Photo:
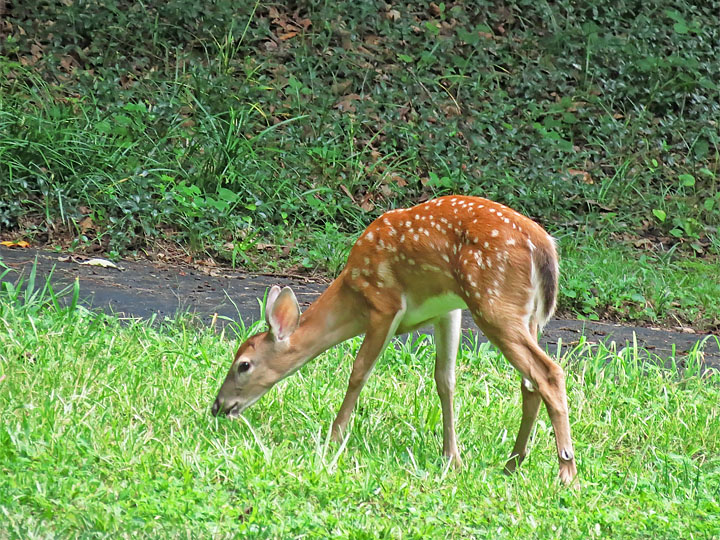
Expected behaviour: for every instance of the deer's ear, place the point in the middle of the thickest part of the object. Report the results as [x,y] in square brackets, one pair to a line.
[271,297]
[283,315]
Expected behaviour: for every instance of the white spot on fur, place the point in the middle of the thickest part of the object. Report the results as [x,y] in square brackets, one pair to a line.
[494,233]
[510,242]
[446,258]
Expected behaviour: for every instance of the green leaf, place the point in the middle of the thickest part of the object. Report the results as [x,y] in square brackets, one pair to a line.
[405,58]
[660,214]
[471,38]
[686,180]
[227,195]
[433,28]
[681,28]
[677,233]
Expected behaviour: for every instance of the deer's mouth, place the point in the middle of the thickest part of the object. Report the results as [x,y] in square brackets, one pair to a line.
[234,411]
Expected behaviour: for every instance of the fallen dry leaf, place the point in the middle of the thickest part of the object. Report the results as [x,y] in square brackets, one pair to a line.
[347,192]
[86,224]
[367,204]
[104,263]
[643,243]
[345,104]
[18,244]
[585,176]
[288,35]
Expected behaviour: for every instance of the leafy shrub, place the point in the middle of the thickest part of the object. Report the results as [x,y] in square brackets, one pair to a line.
[231,120]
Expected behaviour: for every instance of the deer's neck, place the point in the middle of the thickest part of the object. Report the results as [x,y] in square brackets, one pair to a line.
[331,319]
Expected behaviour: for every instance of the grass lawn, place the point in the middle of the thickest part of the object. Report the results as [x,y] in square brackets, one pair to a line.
[106,432]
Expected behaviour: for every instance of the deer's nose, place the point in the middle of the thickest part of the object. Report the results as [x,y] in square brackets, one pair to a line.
[215,407]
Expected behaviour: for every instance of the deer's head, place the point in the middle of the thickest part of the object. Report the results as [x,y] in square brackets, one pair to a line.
[263,359]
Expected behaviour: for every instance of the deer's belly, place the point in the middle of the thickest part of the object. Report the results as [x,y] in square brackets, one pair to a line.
[422,311]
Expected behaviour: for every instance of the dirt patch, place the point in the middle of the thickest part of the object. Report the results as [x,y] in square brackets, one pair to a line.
[142,289]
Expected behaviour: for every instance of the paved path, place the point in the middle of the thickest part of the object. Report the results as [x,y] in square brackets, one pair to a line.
[142,289]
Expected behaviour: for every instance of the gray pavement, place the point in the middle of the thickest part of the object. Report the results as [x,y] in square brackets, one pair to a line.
[143,289]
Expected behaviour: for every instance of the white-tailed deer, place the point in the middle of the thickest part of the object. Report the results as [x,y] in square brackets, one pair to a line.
[419,266]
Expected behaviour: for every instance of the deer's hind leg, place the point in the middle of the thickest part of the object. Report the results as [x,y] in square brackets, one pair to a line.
[513,337]
[530,407]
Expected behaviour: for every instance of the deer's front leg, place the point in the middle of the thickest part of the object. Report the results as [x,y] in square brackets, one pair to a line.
[447,341]
[380,331]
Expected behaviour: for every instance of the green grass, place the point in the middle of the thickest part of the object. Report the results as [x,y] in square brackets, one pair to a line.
[604,279]
[106,432]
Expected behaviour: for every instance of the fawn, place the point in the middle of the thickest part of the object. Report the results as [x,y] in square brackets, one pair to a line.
[417,266]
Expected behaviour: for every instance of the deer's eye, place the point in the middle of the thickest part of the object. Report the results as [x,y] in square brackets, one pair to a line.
[243,367]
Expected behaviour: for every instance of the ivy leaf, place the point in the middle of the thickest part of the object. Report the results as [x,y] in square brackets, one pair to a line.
[686,180]
[660,214]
